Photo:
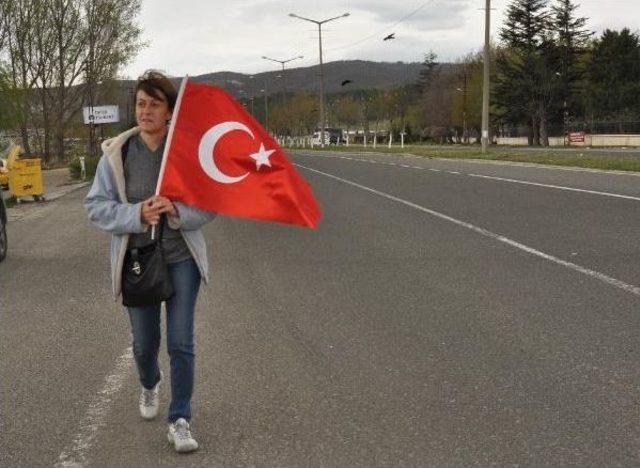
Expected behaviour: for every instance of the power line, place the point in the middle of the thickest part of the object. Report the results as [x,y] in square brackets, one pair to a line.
[386,28]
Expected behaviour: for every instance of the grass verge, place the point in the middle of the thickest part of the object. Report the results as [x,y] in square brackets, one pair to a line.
[617,162]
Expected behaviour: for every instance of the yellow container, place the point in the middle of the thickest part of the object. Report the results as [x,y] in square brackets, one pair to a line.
[25,176]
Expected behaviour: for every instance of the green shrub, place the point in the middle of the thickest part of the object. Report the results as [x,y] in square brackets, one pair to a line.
[91,164]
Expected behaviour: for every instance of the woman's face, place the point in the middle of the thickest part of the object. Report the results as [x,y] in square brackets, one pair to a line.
[151,113]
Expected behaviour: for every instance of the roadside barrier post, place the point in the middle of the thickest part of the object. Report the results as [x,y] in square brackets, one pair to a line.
[83,168]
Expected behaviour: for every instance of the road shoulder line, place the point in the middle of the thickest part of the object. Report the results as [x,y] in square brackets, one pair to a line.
[75,454]
[559,187]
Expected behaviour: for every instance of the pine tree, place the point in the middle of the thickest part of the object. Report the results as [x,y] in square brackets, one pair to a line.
[523,91]
[572,40]
[428,71]
[612,91]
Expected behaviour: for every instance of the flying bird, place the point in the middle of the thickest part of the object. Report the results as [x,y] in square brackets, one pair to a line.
[346,82]
[390,36]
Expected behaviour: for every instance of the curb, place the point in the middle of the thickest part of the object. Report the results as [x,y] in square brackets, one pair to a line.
[64,191]
[52,196]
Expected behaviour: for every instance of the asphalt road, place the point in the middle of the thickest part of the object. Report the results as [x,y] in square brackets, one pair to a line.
[445,313]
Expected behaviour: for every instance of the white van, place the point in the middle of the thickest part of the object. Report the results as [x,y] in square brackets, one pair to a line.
[317,136]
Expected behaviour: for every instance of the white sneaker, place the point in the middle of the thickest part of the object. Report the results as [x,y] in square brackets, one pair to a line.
[180,436]
[150,401]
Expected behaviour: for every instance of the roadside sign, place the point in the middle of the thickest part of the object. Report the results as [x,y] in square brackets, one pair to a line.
[101,114]
[576,137]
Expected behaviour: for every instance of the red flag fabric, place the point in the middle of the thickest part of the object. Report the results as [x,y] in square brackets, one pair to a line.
[219,158]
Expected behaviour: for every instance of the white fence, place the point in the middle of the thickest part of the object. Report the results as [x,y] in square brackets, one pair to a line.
[589,140]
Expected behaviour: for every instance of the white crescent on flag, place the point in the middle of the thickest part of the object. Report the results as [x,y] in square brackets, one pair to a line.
[208,146]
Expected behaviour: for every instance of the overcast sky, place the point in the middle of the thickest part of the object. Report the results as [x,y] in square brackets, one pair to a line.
[202,36]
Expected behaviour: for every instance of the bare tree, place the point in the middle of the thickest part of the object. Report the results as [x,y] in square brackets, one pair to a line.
[57,54]
[113,39]
[93,38]
[19,37]
[437,102]
[295,116]
[4,26]
[347,112]
[4,23]
[43,43]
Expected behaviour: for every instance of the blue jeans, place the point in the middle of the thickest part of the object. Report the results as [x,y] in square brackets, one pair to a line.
[145,328]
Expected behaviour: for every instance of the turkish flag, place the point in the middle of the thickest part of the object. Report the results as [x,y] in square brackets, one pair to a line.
[220,159]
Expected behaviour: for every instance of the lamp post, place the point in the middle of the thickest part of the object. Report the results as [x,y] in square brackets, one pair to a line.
[565,112]
[266,107]
[252,95]
[565,122]
[320,23]
[282,62]
[464,111]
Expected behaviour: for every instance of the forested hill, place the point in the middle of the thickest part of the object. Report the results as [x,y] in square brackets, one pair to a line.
[363,75]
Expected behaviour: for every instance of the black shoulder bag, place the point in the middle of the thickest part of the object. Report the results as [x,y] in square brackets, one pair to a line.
[145,276]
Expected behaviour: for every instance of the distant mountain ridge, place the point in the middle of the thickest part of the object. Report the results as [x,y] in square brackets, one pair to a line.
[363,75]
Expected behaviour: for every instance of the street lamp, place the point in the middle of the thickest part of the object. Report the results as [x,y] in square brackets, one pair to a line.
[565,112]
[464,112]
[282,62]
[266,106]
[320,23]
[252,95]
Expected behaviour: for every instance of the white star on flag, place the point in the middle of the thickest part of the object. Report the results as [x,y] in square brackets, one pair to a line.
[262,156]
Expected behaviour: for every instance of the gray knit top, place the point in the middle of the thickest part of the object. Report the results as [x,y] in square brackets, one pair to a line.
[141,172]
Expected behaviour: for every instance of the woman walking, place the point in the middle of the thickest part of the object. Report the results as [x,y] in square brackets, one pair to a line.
[122,201]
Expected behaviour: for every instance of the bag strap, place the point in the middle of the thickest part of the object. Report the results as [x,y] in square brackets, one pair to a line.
[125,150]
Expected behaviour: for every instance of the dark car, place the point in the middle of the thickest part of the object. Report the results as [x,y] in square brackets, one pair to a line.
[3,228]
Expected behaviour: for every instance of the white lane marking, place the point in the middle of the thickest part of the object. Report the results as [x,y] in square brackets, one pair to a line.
[580,269]
[75,454]
[453,172]
[434,170]
[559,187]
[543,166]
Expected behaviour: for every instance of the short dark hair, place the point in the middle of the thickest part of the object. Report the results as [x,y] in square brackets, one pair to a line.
[158,86]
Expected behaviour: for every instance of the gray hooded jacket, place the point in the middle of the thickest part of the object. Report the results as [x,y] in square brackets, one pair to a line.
[108,209]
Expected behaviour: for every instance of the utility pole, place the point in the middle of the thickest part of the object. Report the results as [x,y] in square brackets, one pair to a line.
[320,23]
[485,81]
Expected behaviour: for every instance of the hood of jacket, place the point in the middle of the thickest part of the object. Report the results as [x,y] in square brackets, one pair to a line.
[112,149]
